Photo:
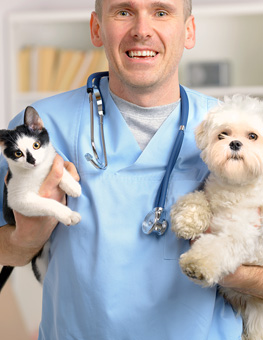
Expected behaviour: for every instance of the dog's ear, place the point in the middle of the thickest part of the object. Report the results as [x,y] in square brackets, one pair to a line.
[201,135]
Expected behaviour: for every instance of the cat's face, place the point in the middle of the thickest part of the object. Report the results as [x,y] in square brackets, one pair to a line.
[27,145]
[23,147]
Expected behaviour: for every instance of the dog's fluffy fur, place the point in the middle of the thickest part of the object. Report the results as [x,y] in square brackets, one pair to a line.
[231,141]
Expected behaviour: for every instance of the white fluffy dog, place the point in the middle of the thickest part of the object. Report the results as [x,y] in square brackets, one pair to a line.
[231,140]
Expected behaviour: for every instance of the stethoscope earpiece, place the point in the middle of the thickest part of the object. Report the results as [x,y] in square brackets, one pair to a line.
[93,84]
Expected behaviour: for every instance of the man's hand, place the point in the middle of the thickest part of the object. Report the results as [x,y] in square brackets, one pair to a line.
[246,280]
[31,233]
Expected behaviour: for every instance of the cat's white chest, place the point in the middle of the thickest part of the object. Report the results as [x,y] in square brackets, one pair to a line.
[25,182]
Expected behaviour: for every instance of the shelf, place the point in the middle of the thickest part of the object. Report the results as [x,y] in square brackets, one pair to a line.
[228,9]
[220,92]
[46,16]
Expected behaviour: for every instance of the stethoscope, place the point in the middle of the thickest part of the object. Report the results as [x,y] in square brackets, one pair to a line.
[155,221]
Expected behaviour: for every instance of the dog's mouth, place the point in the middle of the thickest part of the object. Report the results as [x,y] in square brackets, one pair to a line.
[236,157]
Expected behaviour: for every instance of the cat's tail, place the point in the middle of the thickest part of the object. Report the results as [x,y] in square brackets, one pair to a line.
[4,275]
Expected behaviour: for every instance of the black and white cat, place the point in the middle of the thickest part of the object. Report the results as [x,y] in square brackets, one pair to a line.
[30,156]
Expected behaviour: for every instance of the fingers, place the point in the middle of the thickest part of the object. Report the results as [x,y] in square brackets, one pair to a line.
[72,170]
[49,187]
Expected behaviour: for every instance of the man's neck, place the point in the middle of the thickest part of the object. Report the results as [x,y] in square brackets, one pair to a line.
[147,97]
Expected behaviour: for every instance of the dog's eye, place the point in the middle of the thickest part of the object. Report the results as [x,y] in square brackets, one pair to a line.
[222,135]
[252,136]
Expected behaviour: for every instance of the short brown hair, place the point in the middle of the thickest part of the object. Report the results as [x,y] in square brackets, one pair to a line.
[187,8]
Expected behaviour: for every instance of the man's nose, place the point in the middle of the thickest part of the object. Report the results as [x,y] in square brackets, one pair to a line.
[142,28]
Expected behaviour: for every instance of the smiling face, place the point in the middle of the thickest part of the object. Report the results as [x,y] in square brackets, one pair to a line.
[144,42]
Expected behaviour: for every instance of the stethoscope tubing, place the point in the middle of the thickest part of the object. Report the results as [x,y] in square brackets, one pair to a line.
[162,191]
[155,221]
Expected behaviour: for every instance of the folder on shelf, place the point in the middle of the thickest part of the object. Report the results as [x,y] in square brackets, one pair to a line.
[24,69]
[94,61]
[62,65]
[45,69]
[74,60]
[46,62]
[33,73]
[79,78]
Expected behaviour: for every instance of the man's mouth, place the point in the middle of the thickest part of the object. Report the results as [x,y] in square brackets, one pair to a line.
[141,54]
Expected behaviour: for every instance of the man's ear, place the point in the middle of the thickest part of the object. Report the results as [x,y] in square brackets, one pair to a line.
[95,30]
[190,32]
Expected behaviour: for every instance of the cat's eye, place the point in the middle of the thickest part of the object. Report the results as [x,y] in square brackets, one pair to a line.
[18,154]
[222,135]
[36,145]
[252,136]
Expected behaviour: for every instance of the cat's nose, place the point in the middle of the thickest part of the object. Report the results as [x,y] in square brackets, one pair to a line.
[235,145]
[30,159]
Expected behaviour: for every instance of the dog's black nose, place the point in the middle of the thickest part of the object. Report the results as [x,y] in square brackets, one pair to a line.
[235,145]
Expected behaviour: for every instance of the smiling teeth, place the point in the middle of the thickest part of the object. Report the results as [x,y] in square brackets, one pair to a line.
[133,54]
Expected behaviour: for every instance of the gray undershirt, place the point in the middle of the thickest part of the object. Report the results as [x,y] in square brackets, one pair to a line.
[143,121]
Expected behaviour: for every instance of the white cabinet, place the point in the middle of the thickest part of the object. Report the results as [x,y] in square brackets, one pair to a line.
[226,33]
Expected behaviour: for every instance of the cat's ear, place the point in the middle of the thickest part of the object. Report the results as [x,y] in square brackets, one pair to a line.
[3,137]
[32,119]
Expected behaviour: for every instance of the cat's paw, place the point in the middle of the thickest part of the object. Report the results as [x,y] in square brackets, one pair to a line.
[68,217]
[75,218]
[71,188]
[74,190]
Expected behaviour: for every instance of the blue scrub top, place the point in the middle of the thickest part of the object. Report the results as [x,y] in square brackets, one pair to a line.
[106,280]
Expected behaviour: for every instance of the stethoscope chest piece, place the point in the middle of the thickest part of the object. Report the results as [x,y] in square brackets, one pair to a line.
[155,222]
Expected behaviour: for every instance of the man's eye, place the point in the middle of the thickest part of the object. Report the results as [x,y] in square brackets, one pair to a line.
[161,14]
[123,13]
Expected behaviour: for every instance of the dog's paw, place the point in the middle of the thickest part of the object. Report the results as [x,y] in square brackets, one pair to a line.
[191,215]
[200,270]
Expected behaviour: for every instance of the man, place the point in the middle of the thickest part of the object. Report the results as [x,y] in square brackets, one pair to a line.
[106,280]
